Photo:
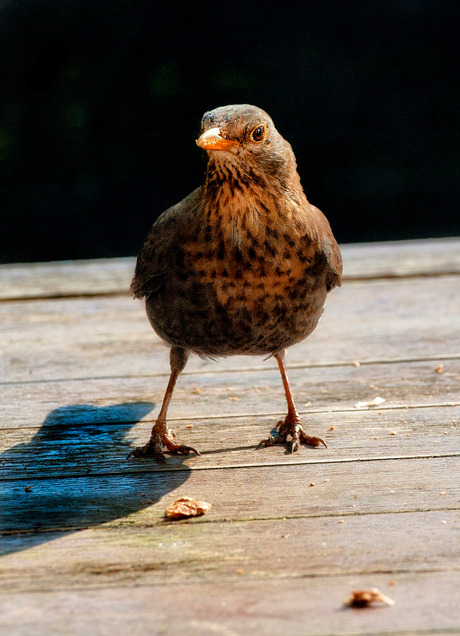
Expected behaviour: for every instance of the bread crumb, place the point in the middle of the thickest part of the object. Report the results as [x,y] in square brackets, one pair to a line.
[356,363]
[187,507]
[197,390]
[375,402]
[363,598]
[439,368]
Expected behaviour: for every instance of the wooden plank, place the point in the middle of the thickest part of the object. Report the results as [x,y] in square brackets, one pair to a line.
[89,445]
[244,494]
[110,276]
[365,321]
[268,548]
[83,378]
[66,278]
[425,603]
[426,257]
[230,394]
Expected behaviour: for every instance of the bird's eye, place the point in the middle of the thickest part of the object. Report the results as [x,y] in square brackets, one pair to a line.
[258,134]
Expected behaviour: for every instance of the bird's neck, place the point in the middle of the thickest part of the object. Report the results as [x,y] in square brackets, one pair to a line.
[242,202]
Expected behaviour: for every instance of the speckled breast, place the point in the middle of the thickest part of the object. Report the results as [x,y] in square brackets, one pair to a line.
[225,296]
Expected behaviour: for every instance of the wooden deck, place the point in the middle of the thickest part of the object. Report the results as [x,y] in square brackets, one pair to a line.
[85,545]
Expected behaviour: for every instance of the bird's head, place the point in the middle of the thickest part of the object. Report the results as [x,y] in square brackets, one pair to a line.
[245,136]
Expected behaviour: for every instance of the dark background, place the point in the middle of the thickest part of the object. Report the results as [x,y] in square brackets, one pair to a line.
[101,102]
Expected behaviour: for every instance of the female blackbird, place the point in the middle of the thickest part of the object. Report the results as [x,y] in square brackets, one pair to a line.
[241,266]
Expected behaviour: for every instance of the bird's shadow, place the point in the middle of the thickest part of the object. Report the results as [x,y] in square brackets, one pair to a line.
[73,474]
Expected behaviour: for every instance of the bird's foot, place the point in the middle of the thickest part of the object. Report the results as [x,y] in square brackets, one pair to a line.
[156,444]
[291,433]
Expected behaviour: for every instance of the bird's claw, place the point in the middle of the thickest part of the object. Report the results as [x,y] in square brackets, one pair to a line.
[290,432]
[181,449]
[312,440]
[269,441]
[151,449]
[154,448]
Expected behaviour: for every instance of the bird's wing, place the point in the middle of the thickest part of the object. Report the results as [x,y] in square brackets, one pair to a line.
[328,245]
[156,252]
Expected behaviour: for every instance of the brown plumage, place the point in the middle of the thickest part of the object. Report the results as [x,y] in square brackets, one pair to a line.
[240,266]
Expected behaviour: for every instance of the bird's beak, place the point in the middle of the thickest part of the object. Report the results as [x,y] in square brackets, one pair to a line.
[212,139]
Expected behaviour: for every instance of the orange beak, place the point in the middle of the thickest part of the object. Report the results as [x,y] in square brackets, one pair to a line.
[212,140]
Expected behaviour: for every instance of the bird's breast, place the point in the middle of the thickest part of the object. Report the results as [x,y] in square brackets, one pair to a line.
[242,279]
[254,271]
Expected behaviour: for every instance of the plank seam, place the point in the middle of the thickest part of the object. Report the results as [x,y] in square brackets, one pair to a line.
[249,369]
[226,416]
[163,522]
[188,469]
[117,291]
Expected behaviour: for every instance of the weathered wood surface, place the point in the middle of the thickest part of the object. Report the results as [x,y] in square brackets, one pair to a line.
[294,606]
[80,449]
[158,553]
[406,319]
[111,276]
[85,544]
[340,489]
[233,394]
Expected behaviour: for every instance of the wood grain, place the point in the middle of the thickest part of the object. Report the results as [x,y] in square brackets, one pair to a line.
[112,276]
[77,338]
[85,546]
[286,490]
[96,447]
[230,394]
[267,548]
[298,606]
[432,257]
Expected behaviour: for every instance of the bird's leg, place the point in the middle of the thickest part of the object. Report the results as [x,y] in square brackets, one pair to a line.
[161,436]
[290,430]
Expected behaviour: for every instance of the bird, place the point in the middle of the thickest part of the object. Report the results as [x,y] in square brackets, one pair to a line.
[241,266]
